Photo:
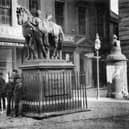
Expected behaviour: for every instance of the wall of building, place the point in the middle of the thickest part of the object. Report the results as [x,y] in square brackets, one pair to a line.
[71,17]
[124,28]
[10,39]
[6,61]
[13,31]
[92,23]
[47,6]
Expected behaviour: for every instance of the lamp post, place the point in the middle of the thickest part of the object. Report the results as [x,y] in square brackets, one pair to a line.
[97,47]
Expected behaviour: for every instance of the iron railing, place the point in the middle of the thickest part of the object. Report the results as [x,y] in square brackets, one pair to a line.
[54,91]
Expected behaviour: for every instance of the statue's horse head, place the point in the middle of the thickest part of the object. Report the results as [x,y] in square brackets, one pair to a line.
[23,15]
[24,18]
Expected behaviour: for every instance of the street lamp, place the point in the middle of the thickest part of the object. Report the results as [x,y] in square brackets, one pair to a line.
[97,47]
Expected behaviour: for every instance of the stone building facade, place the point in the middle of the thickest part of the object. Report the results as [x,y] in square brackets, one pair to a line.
[11,39]
[80,20]
[124,28]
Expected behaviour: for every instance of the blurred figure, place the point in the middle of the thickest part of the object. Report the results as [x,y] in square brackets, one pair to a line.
[2,92]
[15,75]
[18,95]
[10,90]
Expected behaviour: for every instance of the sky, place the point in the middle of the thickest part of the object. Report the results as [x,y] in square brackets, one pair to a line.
[114,6]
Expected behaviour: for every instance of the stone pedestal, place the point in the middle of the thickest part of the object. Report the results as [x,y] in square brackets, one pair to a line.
[45,81]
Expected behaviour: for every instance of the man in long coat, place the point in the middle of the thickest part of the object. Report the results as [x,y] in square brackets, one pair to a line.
[18,95]
[10,91]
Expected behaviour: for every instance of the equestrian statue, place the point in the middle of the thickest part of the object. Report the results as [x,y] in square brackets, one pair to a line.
[43,38]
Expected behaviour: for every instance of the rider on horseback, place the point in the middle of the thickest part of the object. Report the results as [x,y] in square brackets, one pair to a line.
[37,21]
[42,36]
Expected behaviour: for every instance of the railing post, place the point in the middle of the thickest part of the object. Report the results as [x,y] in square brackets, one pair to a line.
[41,92]
[98,94]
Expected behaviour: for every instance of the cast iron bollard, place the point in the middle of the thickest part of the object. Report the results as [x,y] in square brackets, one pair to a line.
[117,72]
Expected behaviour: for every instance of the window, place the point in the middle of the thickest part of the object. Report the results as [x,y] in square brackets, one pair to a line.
[59,13]
[33,6]
[5,12]
[82,20]
[100,22]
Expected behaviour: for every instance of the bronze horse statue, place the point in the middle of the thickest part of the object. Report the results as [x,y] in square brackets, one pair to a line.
[38,42]
[33,37]
[55,37]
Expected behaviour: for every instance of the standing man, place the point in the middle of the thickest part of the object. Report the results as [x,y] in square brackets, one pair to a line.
[10,90]
[18,95]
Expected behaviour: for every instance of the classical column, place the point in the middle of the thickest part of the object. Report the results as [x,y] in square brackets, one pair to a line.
[14,6]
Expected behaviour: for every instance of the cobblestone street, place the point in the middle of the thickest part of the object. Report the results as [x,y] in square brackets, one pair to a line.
[64,122]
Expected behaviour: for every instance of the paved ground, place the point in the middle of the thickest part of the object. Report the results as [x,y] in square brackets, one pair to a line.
[63,122]
[103,114]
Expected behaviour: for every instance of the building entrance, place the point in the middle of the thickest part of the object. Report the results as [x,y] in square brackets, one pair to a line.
[6,62]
